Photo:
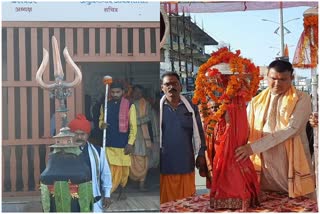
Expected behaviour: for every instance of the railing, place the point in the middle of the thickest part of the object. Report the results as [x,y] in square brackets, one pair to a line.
[22,166]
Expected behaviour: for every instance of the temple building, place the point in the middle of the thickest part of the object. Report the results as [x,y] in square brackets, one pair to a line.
[101,39]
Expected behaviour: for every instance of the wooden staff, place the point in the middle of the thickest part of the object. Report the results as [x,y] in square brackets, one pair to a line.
[107,80]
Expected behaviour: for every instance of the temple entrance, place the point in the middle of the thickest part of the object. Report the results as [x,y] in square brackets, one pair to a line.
[145,74]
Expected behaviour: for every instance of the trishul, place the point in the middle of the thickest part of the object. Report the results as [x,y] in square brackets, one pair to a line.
[60,89]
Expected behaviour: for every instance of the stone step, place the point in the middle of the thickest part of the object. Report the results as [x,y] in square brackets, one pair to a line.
[136,204]
[133,203]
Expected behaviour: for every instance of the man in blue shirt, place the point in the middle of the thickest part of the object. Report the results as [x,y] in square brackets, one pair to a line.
[181,138]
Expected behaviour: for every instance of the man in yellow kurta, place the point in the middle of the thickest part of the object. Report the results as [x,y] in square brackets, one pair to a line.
[143,146]
[121,134]
[278,141]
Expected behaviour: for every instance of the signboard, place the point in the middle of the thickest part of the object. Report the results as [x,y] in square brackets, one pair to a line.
[190,83]
[127,11]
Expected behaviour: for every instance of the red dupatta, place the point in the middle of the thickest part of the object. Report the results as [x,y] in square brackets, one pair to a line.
[234,185]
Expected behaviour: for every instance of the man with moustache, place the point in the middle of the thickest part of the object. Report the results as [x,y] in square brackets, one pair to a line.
[278,143]
[181,138]
[121,134]
[95,158]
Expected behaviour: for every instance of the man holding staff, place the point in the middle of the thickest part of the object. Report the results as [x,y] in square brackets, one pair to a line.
[121,125]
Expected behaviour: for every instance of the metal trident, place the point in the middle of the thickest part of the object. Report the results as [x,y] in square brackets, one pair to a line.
[60,89]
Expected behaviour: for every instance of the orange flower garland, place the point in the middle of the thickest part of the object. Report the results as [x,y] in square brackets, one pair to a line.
[210,81]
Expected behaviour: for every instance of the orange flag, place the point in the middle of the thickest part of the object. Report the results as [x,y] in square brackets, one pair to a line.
[286,51]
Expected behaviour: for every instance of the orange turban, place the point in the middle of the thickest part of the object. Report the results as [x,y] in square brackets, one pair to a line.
[80,123]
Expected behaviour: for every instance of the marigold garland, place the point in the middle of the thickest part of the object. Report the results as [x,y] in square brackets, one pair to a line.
[210,81]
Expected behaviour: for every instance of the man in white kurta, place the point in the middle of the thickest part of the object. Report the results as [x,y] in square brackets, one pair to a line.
[278,140]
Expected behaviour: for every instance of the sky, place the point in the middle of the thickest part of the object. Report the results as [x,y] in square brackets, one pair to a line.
[253,37]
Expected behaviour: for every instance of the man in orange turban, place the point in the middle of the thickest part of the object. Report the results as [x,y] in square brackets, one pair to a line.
[95,157]
[80,123]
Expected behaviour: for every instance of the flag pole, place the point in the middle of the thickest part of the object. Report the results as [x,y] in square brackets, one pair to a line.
[281,30]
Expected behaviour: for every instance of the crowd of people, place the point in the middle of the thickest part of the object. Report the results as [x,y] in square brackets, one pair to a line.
[131,147]
[273,155]
[270,154]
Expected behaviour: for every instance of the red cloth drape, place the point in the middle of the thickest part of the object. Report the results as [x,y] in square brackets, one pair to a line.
[233,183]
